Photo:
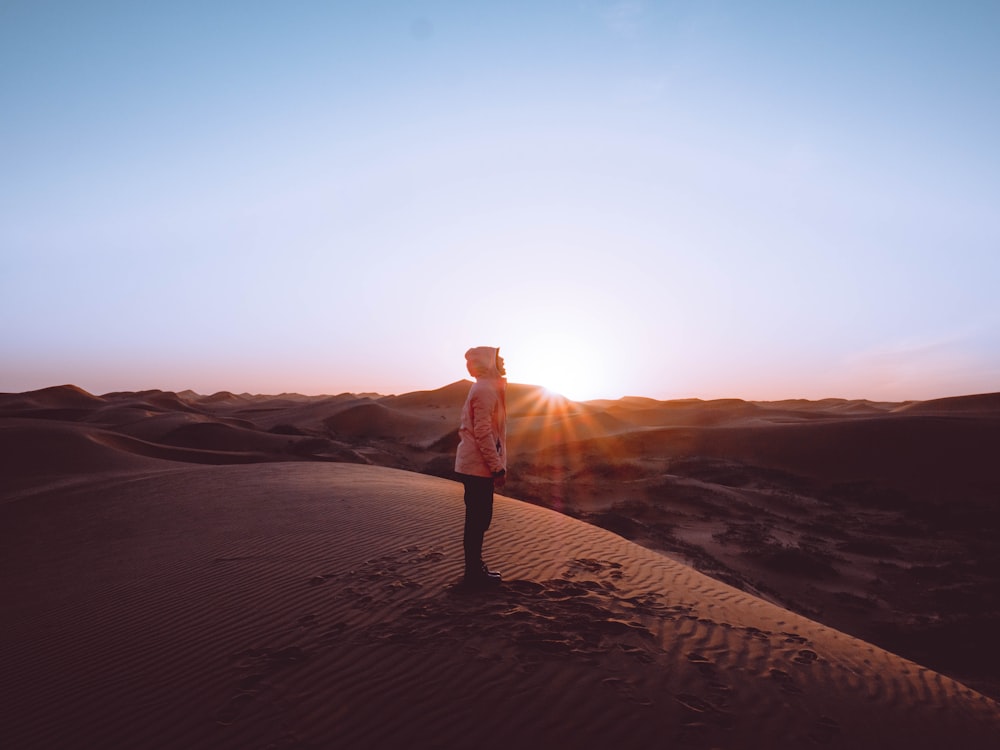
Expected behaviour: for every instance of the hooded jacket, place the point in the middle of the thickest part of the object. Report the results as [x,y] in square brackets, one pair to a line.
[482,446]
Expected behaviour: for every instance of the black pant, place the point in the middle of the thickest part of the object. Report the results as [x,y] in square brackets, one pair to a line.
[478,515]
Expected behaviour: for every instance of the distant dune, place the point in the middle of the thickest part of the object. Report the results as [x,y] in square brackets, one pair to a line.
[986,403]
[238,571]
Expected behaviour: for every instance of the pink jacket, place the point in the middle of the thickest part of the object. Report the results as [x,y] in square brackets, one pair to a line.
[482,447]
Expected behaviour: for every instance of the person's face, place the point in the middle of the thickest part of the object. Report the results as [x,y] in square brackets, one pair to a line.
[500,367]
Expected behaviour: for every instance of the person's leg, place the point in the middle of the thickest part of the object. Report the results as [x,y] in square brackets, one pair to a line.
[478,516]
[478,497]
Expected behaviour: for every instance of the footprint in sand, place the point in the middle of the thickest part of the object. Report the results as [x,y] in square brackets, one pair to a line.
[524,587]
[636,653]
[794,638]
[760,635]
[711,713]
[825,731]
[704,664]
[785,682]
[693,703]
[589,565]
[232,710]
[805,656]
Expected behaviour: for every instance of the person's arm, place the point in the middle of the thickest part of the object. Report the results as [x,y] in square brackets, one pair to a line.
[483,404]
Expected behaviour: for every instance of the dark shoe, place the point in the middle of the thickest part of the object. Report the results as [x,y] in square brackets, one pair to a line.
[491,573]
[481,579]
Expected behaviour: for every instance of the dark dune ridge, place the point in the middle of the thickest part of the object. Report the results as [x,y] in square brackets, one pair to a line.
[877,519]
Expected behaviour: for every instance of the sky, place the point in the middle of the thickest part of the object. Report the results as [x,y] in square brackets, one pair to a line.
[708,199]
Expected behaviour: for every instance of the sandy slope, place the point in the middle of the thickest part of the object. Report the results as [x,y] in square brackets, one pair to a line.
[312,605]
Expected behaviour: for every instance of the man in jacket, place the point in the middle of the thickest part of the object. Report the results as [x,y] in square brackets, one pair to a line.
[481,459]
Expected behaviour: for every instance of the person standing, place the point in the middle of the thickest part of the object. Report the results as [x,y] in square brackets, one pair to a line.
[481,458]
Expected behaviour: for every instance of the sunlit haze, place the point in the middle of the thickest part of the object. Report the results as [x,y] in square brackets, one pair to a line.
[666,199]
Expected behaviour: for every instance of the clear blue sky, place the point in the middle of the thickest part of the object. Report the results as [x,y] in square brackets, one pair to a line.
[669,199]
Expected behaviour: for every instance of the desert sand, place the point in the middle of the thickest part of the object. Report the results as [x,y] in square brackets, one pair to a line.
[235,571]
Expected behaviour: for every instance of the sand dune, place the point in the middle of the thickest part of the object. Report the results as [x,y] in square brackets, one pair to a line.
[978,405]
[33,452]
[374,420]
[905,451]
[313,605]
[246,571]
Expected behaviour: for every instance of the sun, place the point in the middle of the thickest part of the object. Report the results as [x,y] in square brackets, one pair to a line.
[563,371]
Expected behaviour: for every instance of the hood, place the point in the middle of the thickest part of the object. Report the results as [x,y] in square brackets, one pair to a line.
[482,361]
